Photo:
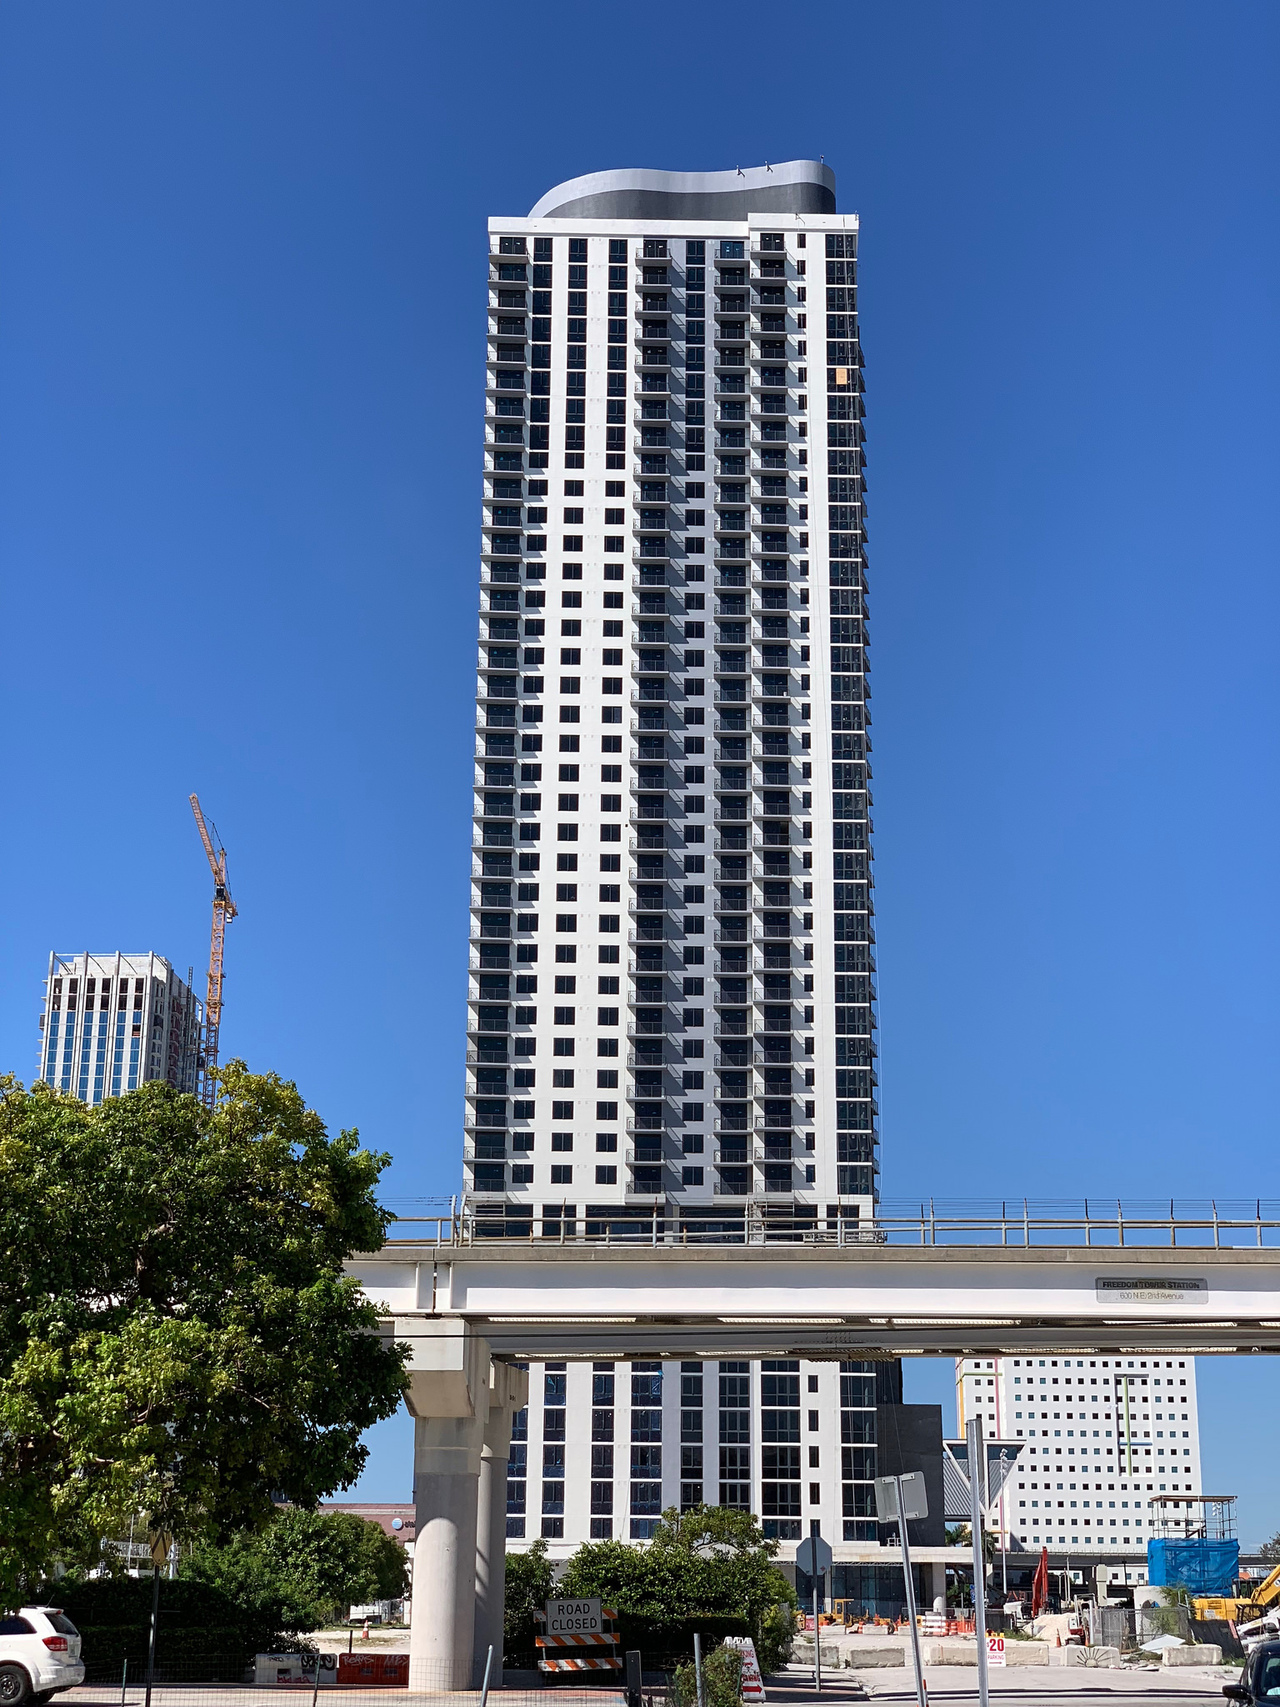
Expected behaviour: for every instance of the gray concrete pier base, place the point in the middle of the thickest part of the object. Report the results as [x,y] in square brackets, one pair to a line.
[508,1393]
[447,1475]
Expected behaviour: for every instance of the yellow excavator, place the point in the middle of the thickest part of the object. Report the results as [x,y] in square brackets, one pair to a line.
[1264,1600]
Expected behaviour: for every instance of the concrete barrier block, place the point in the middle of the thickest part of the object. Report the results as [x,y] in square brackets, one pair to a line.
[802,1654]
[957,1652]
[1199,1654]
[963,1651]
[860,1655]
[1077,1656]
[1026,1654]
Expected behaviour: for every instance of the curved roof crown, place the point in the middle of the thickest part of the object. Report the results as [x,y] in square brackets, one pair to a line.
[792,186]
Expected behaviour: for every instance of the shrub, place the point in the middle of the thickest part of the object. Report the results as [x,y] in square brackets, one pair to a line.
[666,1642]
[721,1680]
[703,1565]
[202,1634]
[528,1588]
[777,1632]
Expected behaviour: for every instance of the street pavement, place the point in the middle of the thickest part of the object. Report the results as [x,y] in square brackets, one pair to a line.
[1045,1686]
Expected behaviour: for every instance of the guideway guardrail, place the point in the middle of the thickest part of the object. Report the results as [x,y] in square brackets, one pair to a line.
[1217,1224]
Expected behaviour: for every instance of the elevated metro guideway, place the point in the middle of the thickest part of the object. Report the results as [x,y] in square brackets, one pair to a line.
[1199,1284]
[471,1309]
[532,1301]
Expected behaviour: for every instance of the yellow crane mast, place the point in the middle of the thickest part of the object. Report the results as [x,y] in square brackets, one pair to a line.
[224,910]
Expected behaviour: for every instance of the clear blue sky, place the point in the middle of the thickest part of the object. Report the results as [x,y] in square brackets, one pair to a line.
[241,337]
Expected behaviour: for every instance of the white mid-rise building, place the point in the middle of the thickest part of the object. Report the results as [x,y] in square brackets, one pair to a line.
[672,999]
[113,1021]
[1099,1437]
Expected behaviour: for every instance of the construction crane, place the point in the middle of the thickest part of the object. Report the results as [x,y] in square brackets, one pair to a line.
[224,910]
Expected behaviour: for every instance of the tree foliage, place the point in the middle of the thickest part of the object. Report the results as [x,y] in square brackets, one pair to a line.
[710,1560]
[528,1589]
[177,1335]
[303,1569]
[961,1535]
[1270,1550]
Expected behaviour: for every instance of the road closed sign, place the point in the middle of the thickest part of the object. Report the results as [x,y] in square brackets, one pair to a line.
[995,1651]
[575,1618]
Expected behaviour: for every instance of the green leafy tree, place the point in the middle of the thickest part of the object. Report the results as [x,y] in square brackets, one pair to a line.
[304,1569]
[1270,1550]
[961,1535]
[177,1335]
[528,1589]
[708,1561]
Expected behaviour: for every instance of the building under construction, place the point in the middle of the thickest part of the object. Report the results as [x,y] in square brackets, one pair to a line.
[113,1021]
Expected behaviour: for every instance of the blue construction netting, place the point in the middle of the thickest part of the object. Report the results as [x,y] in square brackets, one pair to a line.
[1204,1567]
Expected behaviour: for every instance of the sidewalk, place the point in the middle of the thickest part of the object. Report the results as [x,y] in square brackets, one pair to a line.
[1041,1681]
[245,1695]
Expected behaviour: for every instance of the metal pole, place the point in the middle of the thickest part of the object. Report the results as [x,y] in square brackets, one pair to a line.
[634,1676]
[911,1599]
[977,1487]
[697,1669]
[151,1640]
[124,1680]
[484,1687]
[817,1637]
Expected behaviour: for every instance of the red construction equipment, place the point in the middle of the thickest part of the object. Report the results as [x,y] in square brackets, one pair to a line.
[224,909]
[1040,1584]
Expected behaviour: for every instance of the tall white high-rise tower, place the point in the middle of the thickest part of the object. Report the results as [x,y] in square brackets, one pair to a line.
[672,1020]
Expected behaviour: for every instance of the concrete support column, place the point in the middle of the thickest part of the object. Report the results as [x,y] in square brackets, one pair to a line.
[508,1393]
[446,1485]
[939,1584]
[491,1565]
[448,1394]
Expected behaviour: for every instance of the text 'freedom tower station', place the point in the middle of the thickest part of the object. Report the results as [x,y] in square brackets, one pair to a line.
[672,1022]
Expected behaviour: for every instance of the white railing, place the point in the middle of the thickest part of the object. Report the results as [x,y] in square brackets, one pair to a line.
[1207,1223]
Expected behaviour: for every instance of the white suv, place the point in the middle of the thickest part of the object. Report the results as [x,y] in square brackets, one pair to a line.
[39,1655]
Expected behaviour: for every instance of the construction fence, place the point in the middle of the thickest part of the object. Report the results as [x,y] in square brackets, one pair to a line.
[596,1673]
[319,1681]
[1128,1628]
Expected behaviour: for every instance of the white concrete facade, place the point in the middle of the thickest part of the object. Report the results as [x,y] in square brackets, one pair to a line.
[111,1022]
[1102,1435]
[672,962]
